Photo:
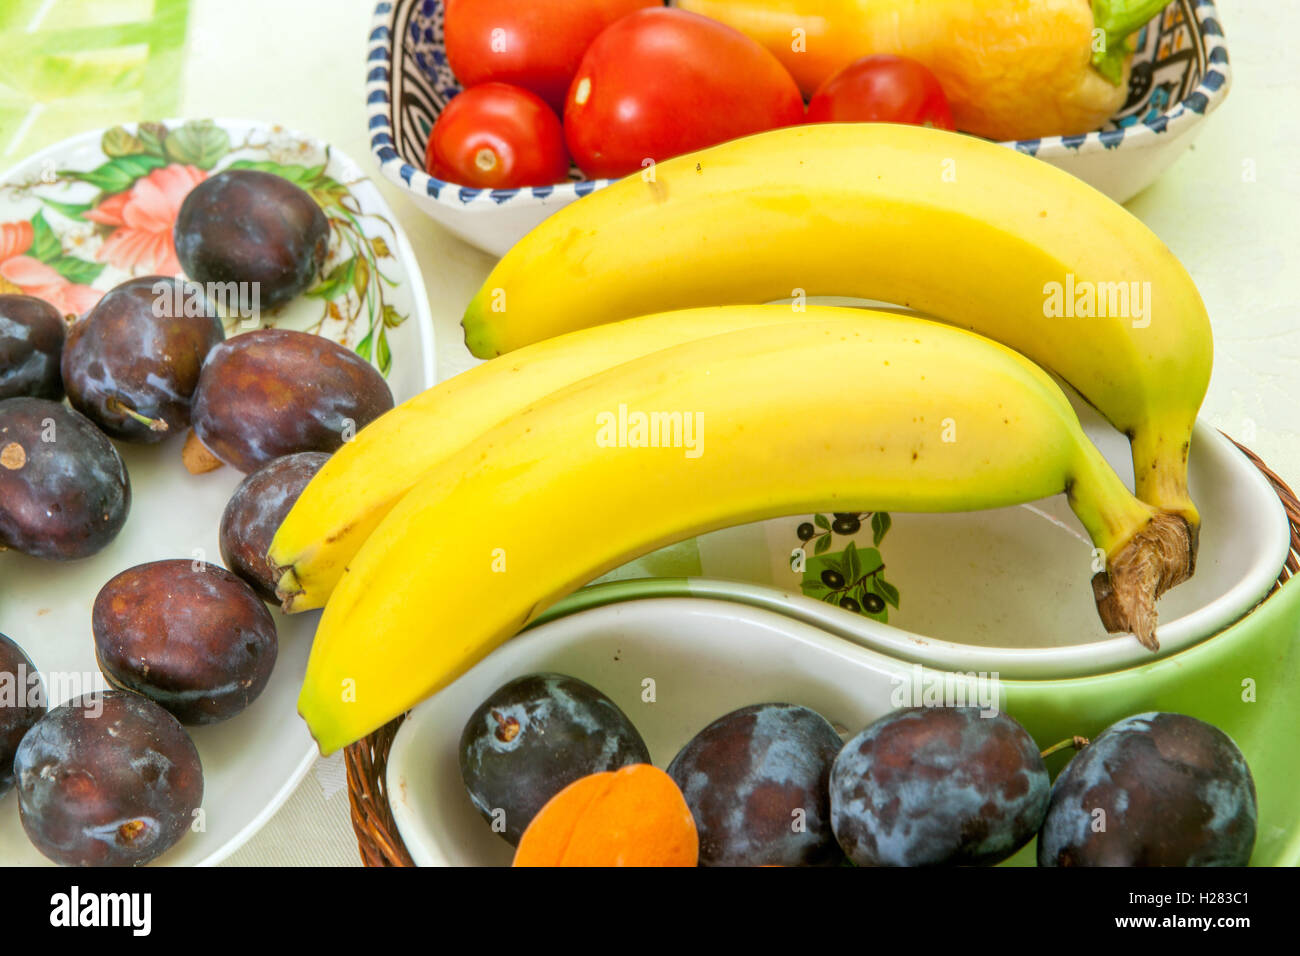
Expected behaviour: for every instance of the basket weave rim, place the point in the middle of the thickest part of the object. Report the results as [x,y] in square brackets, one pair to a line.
[380,843]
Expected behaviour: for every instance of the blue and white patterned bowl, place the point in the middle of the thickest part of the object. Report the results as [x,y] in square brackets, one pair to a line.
[1180,74]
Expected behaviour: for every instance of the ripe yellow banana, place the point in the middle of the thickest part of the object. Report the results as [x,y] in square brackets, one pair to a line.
[365,478]
[970,232]
[931,418]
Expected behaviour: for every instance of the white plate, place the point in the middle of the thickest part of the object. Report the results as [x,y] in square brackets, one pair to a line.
[706,658]
[252,762]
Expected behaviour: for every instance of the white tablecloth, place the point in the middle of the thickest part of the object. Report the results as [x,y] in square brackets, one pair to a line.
[1230,209]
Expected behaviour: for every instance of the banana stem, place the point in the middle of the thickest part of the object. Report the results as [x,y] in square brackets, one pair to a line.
[1161,476]
[1147,551]
[1157,558]
[1119,19]
[1111,515]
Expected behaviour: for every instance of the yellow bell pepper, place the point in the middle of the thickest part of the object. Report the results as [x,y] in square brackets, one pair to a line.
[1012,69]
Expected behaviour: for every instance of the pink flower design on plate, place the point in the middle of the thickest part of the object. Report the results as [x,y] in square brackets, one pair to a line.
[15,239]
[33,277]
[143,216]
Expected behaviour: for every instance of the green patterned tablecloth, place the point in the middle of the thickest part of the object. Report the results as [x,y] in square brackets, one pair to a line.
[71,65]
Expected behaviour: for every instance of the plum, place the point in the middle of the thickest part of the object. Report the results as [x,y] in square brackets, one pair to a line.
[107,779]
[934,786]
[22,703]
[64,490]
[532,738]
[756,781]
[274,392]
[1156,789]
[32,334]
[131,365]
[190,636]
[255,512]
[245,225]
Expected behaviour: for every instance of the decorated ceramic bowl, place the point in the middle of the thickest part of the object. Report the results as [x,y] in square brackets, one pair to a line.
[1180,75]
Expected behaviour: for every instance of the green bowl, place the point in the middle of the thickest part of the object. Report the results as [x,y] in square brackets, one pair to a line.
[1242,680]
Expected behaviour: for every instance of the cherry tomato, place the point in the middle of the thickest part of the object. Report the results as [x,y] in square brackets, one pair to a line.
[497,136]
[882,89]
[662,82]
[536,44]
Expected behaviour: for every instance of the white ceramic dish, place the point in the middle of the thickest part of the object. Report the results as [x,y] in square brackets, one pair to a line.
[1006,590]
[1180,75]
[252,762]
[705,657]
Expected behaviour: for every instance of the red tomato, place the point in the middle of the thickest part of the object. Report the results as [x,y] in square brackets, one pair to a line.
[663,82]
[882,89]
[536,44]
[497,136]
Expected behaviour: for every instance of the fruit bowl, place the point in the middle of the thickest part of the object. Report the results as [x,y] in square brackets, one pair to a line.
[1180,74]
[88,213]
[707,658]
[962,582]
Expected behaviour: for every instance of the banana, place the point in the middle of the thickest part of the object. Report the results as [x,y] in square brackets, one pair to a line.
[966,231]
[931,418]
[365,478]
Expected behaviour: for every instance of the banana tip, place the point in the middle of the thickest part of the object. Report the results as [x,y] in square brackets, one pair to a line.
[288,590]
[479,330]
[326,741]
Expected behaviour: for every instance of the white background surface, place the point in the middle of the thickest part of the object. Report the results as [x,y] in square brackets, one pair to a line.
[1230,210]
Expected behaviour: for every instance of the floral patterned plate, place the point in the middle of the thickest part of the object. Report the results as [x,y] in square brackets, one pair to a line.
[88,213]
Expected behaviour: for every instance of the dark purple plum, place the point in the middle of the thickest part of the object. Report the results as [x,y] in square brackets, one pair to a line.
[245,225]
[255,512]
[756,781]
[132,364]
[108,779]
[532,738]
[32,334]
[938,786]
[22,703]
[64,491]
[1152,790]
[190,636]
[273,392]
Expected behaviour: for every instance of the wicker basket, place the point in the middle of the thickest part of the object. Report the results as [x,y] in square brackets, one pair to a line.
[367,760]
